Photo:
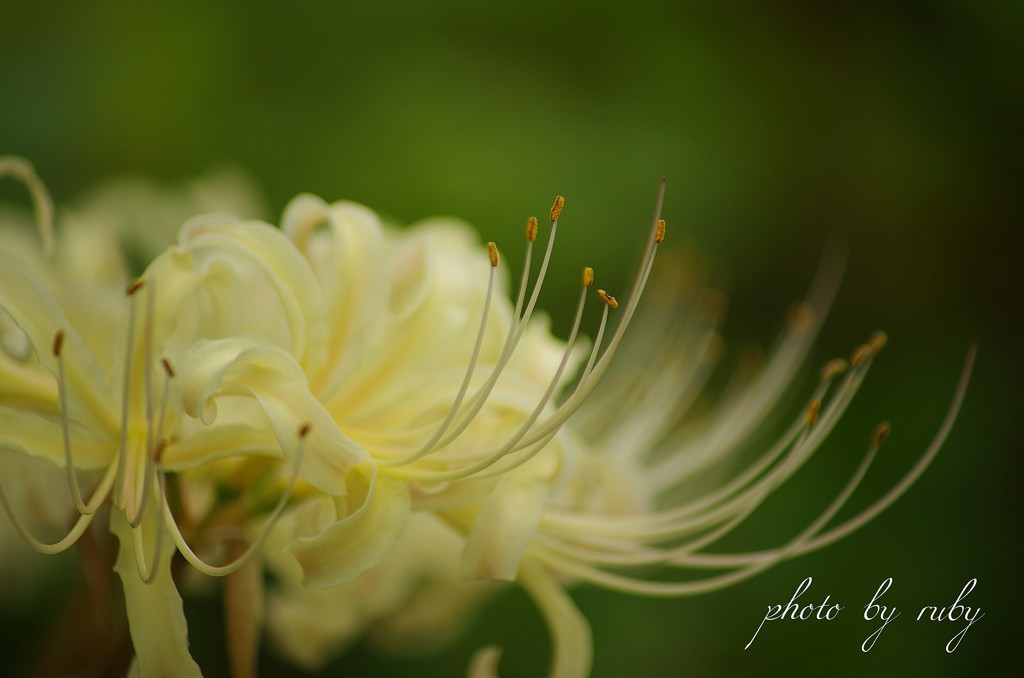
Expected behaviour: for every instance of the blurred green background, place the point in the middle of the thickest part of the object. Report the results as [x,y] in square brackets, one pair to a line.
[893,127]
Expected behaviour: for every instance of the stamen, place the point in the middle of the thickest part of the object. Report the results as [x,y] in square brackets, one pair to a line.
[515,333]
[84,508]
[860,354]
[147,571]
[557,207]
[588,276]
[122,452]
[812,413]
[492,253]
[877,341]
[531,229]
[42,203]
[834,368]
[255,546]
[608,299]
[880,434]
[491,456]
[430,444]
[659,234]
[77,530]
[800,318]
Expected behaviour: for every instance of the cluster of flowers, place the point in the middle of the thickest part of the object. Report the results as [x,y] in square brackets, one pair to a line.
[365,413]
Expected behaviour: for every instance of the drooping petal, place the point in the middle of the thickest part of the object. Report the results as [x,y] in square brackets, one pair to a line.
[286,270]
[38,436]
[572,645]
[507,523]
[345,260]
[37,314]
[155,615]
[375,514]
[248,366]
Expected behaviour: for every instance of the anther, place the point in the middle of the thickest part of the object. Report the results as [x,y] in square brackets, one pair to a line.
[659,233]
[588,276]
[135,286]
[304,430]
[880,434]
[58,343]
[860,354]
[813,410]
[833,368]
[492,252]
[167,367]
[531,229]
[158,453]
[800,318]
[877,341]
[556,209]
[608,299]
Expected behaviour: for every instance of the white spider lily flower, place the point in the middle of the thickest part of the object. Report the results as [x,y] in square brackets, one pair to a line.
[319,384]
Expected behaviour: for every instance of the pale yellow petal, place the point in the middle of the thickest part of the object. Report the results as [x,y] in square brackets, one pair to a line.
[155,616]
[38,436]
[36,313]
[572,645]
[504,529]
[286,270]
[247,366]
[346,260]
[358,540]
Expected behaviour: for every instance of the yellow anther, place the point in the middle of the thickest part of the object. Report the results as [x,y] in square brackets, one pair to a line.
[556,209]
[492,252]
[608,299]
[880,434]
[800,318]
[135,286]
[813,410]
[58,342]
[833,368]
[531,229]
[588,276]
[877,341]
[659,233]
[860,354]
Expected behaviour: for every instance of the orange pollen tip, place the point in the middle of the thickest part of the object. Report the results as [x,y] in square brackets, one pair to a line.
[58,343]
[659,233]
[135,286]
[531,229]
[833,368]
[800,318]
[304,430]
[813,410]
[588,276]
[880,434]
[492,252]
[877,341]
[556,209]
[860,354]
[608,299]
[167,367]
